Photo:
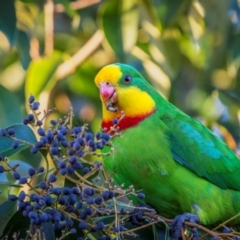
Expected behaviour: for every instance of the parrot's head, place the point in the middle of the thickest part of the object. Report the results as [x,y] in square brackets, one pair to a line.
[124,90]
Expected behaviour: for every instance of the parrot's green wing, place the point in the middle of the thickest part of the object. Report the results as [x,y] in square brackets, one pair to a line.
[197,148]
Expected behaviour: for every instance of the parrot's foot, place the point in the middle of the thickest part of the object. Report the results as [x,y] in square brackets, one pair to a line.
[178,225]
[136,217]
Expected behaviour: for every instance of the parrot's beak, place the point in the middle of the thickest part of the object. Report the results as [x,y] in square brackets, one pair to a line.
[109,96]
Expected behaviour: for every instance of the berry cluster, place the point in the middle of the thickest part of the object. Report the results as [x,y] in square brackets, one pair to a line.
[84,202]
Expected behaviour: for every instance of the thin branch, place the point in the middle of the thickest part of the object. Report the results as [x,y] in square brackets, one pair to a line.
[59,8]
[49,26]
[71,64]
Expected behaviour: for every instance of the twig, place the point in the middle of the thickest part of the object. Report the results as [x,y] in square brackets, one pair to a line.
[71,64]
[76,5]
[49,26]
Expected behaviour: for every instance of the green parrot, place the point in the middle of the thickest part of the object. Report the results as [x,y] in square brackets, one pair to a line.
[180,165]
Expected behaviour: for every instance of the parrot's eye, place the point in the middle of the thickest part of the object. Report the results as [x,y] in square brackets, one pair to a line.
[127,79]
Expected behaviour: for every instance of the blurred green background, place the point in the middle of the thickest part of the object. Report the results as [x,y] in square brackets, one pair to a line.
[189,50]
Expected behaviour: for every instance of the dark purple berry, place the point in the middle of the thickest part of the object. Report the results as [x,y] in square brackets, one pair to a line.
[80,141]
[39,145]
[50,135]
[82,225]
[73,230]
[54,143]
[115,121]
[87,191]
[75,190]
[16,175]
[35,106]
[54,150]
[56,191]
[66,191]
[34,197]
[33,149]
[43,140]
[70,170]
[57,226]
[52,178]
[105,194]
[98,200]
[25,121]
[64,144]
[43,217]
[23,180]
[80,153]
[72,199]
[39,123]
[62,201]
[98,164]
[62,164]
[86,170]
[69,223]
[31,171]
[31,99]
[72,160]
[11,131]
[141,195]
[88,136]
[30,117]
[90,200]
[43,185]
[53,122]
[79,205]
[12,197]
[3,132]
[76,146]
[105,136]
[64,130]
[98,135]
[41,169]
[60,136]
[15,144]
[99,145]
[100,226]
[32,215]
[1,169]
[41,131]
[77,165]
[63,171]
[111,194]
[70,152]
[21,196]
[116,229]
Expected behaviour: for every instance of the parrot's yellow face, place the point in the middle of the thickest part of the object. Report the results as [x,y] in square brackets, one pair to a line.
[119,92]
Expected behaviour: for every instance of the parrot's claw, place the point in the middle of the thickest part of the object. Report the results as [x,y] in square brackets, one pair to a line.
[178,224]
[136,217]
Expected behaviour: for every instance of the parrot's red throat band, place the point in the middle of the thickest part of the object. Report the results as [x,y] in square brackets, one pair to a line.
[126,122]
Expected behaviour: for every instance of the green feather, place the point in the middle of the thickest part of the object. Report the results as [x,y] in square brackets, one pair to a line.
[178,162]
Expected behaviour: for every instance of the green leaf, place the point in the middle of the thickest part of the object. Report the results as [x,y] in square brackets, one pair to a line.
[23,46]
[119,20]
[8,19]
[18,223]
[40,74]
[22,132]
[169,12]
[9,108]
[47,229]
[7,209]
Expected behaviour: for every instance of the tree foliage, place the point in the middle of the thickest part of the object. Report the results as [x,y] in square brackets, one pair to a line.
[188,50]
